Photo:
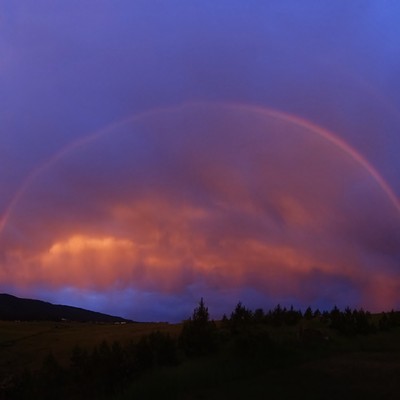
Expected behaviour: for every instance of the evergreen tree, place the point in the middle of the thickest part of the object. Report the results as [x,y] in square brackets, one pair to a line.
[308,314]
[198,335]
[317,313]
[240,318]
[259,315]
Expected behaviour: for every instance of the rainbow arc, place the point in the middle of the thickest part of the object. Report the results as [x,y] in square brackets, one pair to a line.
[259,110]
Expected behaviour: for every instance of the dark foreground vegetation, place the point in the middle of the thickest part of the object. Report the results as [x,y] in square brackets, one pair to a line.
[279,354]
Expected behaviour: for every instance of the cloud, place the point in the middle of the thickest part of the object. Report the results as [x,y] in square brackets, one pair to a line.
[210,194]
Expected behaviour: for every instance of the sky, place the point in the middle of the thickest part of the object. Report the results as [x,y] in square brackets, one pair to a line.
[156,152]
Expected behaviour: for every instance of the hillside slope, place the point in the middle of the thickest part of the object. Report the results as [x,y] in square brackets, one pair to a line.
[15,308]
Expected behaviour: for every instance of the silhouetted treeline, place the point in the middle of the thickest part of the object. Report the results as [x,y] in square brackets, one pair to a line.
[348,322]
[279,316]
[389,320]
[270,336]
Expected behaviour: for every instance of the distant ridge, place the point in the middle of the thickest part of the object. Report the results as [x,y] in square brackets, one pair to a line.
[15,308]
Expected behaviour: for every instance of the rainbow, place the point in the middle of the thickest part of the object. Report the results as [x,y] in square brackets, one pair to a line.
[261,110]
[329,136]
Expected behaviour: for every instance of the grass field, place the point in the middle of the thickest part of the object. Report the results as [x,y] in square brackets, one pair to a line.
[26,344]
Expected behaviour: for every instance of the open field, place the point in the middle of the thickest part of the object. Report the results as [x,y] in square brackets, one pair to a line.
[26,344]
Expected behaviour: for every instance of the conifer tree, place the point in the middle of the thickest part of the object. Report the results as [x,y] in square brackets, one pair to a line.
[198,335]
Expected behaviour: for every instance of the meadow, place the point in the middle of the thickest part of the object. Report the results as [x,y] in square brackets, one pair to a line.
[26,344]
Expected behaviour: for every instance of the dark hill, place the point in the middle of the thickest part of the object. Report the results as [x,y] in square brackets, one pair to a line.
[14,308]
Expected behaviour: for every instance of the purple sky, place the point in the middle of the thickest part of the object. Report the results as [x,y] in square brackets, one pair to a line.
[153,152]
